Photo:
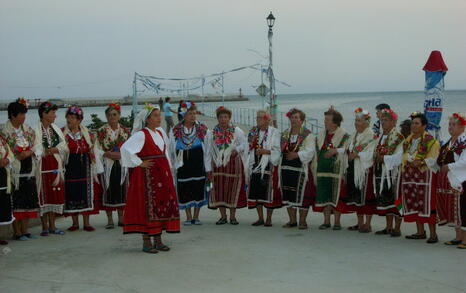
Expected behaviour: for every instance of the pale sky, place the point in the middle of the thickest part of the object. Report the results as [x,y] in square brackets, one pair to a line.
[93,47]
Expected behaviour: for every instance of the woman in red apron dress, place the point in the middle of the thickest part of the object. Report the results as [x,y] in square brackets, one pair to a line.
[152,204]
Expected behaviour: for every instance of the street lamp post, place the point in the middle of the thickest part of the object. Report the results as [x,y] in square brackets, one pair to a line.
[273,99]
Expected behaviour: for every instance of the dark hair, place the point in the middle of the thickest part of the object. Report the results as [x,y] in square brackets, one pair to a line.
[46,107]
[293,111]
[382,106]
[405,127]
[167,99]
[16,108]
[223,110]
[337,118]
[421,116]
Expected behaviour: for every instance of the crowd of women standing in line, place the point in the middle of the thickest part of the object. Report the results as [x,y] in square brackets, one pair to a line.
[373,171]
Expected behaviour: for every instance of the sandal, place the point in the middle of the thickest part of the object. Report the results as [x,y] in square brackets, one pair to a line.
[258,223]
[354,228]
[417,236]
[290,225]
[89,228]
[149,249]
[461,246]
[187,223]
[336,227]
[453,242]
[44,233]
[365,230]
[324,226]
[73,228]
[302,226]
[233,222]
[3,242]
[109,226]
[221,221]
[162,247]
[21,238]
[383,232]
[196,222]
[31,236]
[395,234]
[267,224]
[56,232]
[432,240]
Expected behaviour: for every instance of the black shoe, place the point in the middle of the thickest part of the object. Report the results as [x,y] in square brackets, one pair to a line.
[234,222]
[395,234]
[417,236]
[221,221]
[432,240]
[383,232]
[258,223]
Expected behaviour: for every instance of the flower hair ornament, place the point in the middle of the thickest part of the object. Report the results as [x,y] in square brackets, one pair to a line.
[115,106]
[23,102]
[141,118]
[47,106]
[290,113]
[75,110]
[190,105]
[220,108]
[460,118]
[360,112]
[390,113]
[266,116]
[150,107]
[415,114]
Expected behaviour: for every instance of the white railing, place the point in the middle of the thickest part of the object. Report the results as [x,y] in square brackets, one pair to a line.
[247,116]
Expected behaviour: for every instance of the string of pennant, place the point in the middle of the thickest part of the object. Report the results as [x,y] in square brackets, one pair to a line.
[158,84]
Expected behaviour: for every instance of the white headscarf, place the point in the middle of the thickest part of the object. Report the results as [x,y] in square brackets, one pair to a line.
[140,119]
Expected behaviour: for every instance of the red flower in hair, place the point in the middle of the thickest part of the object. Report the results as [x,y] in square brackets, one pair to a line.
[220,108]
[358,110]
[290,112]
[193,104]
[183,105]
[460,118]
[23,102]
[115,106]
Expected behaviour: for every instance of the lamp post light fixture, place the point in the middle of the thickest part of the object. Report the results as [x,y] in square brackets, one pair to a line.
[272,98]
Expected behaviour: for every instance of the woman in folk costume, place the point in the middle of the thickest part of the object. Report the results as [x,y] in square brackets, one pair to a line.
[225,167]
[452,161]
[385,169]
[296,180]
[357,162]
[417,186]
[52,145]
[111,137]
[21,141]
[81,170]
[451,180]
[330,148]
[6,211]
[190,152]
[151,204]
[264,156]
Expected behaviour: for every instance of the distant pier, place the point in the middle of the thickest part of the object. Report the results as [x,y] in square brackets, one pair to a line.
[124,100]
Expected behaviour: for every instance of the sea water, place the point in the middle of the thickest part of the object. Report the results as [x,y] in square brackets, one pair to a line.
[314,105]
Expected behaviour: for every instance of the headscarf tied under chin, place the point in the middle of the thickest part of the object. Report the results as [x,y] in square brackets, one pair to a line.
[141,118]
